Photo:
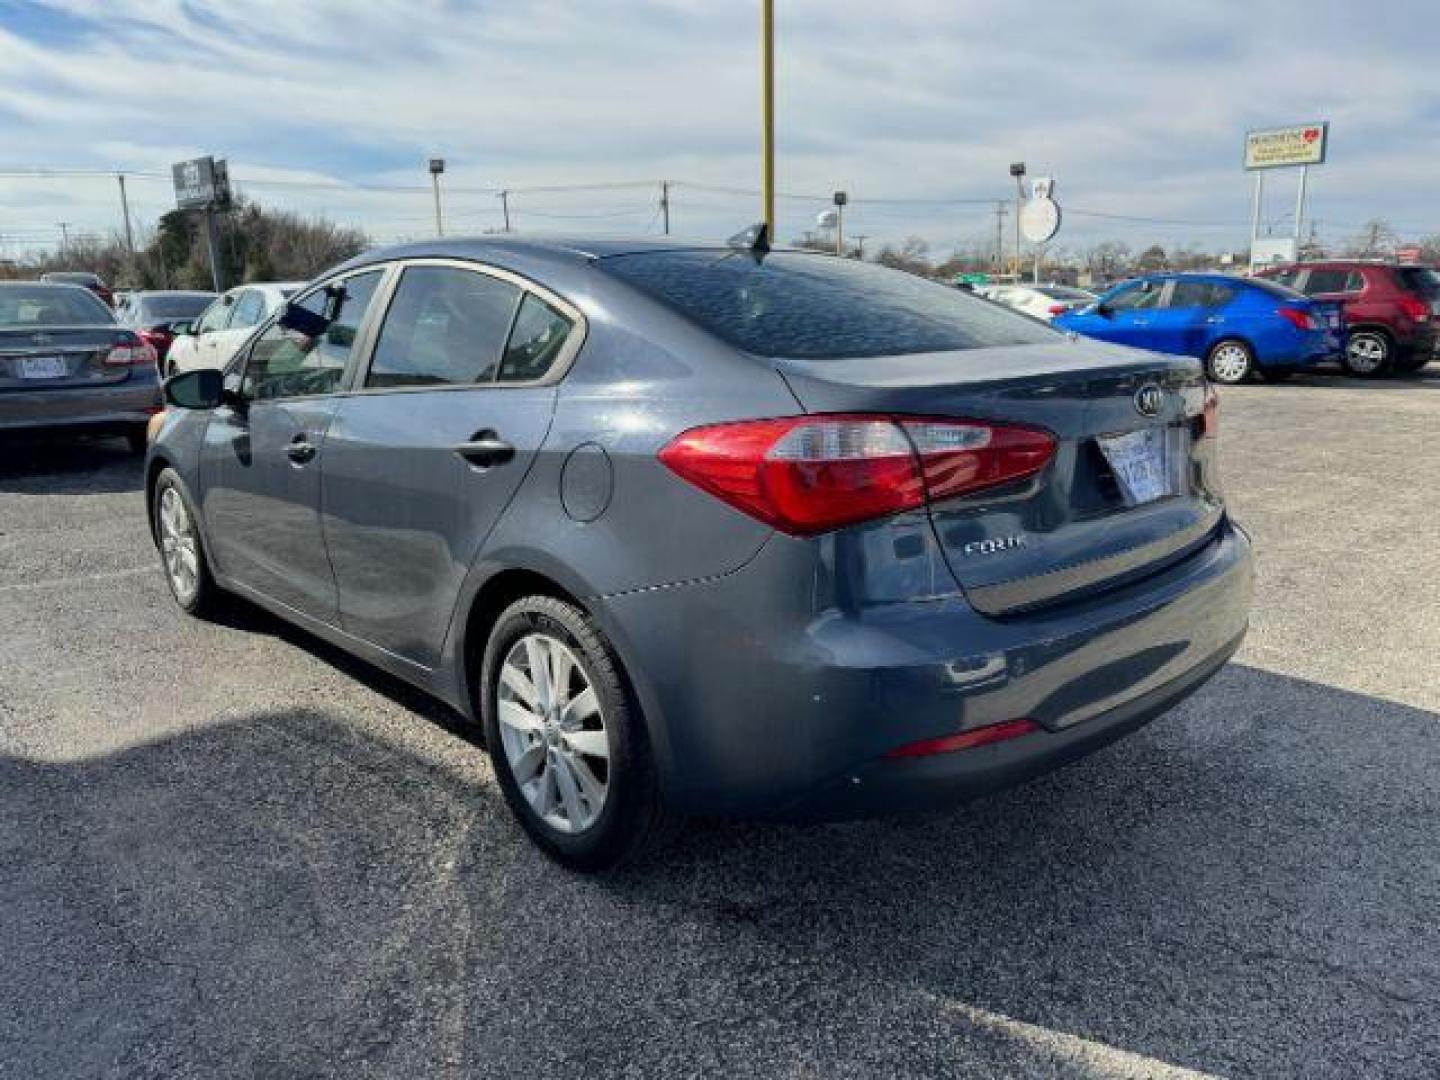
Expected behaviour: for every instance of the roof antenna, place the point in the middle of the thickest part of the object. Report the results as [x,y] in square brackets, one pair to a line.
[755,240]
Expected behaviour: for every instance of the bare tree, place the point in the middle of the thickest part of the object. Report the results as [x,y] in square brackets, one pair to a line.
[1376,240]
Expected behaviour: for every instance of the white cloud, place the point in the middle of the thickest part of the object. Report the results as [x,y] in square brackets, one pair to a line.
[1137,107]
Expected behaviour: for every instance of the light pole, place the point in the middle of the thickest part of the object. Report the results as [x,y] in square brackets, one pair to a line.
[840,200]
[437,166]
[1017,170]
[767,109]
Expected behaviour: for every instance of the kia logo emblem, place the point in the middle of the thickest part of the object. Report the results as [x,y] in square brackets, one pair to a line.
[1149,400]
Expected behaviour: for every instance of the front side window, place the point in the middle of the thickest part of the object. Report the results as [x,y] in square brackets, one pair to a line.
[445,327]
[217,315]
[1141,296]
[249,310]
[286,362]
[818,307]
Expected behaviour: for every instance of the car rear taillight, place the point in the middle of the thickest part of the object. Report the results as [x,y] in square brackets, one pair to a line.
[966,740]
[1302,320]
[1058,309]
[1414,309]
[130,352]
[806,475]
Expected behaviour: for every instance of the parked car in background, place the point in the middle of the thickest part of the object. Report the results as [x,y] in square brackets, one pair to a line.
[66,363]
[157,315]
[1391,310]
[708,530]
[222,327]
[1240,327]
[1038,301]
[93,282]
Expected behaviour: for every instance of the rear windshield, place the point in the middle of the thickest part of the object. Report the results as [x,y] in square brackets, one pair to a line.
[1420,279]
[174,307]
[1274,288]
[820,307]
[51,305]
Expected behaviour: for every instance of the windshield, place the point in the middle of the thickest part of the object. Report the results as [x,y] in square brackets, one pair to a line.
[51,305]
[175,307]
[66,277]
[821,307]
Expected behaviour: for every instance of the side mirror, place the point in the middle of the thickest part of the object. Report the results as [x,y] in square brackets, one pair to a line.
[1103,310]
[203,388]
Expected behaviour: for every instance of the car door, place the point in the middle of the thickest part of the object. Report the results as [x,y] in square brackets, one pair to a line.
[1190,317]
[1122,316]
[424,455]
[192,350]
[261,460]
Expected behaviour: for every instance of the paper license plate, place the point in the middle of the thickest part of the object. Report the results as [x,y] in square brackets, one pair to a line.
[42,367]
[1141,463]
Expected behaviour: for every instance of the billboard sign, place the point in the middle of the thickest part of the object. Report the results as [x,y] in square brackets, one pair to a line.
[1286,147]
[1272,250]
[201,183]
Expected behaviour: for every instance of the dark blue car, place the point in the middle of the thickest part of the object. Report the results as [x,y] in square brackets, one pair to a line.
[1239,327]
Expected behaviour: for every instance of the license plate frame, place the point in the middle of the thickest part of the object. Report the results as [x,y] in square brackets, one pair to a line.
[1144,464]
[42,367]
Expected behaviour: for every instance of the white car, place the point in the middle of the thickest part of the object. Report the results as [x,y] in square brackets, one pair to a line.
[1038,301]
[225,324]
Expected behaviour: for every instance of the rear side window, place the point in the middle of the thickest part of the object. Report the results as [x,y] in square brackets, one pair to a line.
[445,327]
[1200,294]
[1324,281]
[819,307]
[1419,279]
[540,333]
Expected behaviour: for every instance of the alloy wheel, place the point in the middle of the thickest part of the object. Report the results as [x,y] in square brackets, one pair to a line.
[179,545]
[553,731]
[1230,363]
[1366,354]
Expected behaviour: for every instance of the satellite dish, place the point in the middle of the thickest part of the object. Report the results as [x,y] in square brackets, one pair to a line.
[827,219]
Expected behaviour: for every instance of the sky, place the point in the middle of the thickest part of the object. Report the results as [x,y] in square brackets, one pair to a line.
[914,107]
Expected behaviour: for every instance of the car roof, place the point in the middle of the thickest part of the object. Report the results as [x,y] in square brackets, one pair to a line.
[512,251]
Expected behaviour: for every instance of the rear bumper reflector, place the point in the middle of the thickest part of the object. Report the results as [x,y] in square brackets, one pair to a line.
[966,740]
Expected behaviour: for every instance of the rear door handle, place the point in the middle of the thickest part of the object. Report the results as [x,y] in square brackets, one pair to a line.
[300,450]
[486,448]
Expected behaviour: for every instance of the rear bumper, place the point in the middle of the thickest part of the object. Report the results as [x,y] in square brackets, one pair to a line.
[766,695]
[116,406]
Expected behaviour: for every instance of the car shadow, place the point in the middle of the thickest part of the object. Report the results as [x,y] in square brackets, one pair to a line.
[1427,378]
[1247,886]
[55,464]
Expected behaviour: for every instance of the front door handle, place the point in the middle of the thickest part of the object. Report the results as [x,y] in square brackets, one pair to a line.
[300,450]
[486,448]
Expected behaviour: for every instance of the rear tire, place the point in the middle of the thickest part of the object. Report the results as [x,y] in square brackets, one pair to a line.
[1230,362]
[580,777]
[182,551]
[1368,354]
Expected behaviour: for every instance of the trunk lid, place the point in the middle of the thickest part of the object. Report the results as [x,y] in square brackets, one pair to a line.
[1073,530]
[60,357]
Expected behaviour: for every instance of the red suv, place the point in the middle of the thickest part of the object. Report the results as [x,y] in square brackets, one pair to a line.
[1391,310]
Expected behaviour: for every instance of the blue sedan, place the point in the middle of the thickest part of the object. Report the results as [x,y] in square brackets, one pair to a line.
[1239,327]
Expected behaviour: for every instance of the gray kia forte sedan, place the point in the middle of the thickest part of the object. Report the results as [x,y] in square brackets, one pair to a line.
[701,530]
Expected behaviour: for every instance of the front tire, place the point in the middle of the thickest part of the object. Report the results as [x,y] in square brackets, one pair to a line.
[1368,354]
[566,737]
[182,552]
[1230,362]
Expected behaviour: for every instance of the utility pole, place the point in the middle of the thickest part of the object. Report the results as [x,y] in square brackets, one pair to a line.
[1017,170]
[1300,207]
[64,236]
[767,122]
[1255,215]
[665,204]
[437,166]
[212,242]
[125,212]
[1000,211]
[505,207]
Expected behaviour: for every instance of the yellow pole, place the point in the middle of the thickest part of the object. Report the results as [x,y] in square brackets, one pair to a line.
[767,144]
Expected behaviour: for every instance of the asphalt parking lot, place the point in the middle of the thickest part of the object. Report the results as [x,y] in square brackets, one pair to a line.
[229,850]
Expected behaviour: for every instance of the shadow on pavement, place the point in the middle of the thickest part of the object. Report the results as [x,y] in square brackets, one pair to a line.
[54,464]
[1247,887]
